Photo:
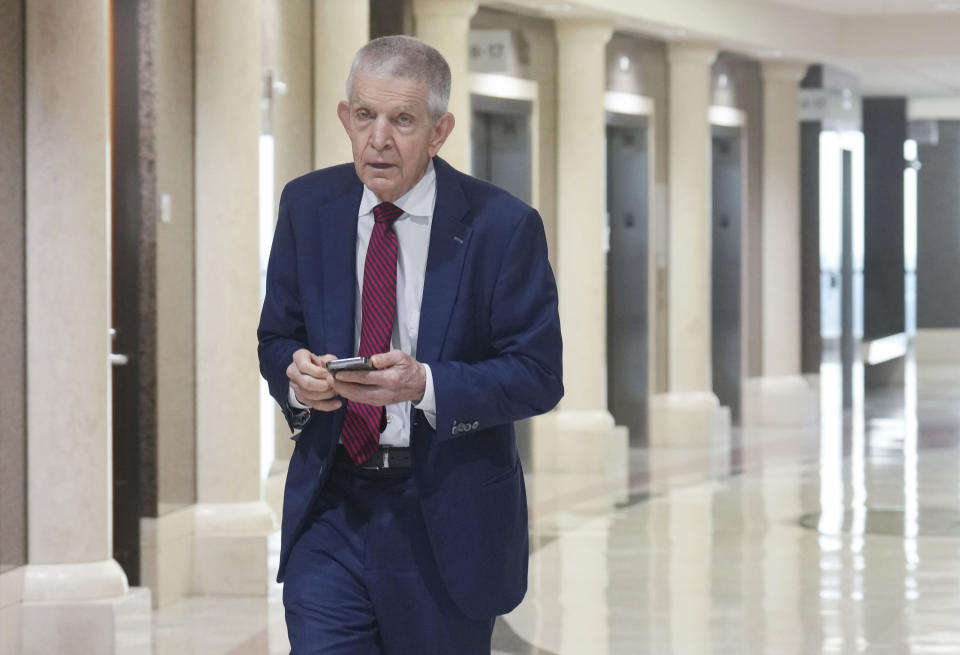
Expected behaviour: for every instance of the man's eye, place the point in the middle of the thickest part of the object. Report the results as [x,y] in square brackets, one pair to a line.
[363,114]
[403,119]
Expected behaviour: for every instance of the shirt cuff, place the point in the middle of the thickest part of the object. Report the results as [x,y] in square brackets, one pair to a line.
[428,404]
[293,402]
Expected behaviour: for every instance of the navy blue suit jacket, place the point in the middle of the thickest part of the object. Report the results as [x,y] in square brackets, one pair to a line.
[489,330]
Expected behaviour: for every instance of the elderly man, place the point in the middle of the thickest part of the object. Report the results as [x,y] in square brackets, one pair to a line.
[404,519]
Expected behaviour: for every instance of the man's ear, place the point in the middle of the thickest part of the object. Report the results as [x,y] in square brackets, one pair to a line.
[343,111]
[441,130]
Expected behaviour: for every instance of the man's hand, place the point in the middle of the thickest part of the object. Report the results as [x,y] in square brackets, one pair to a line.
[398,378]
[312,382]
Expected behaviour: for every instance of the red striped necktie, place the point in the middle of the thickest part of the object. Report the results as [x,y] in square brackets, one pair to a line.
[362,423]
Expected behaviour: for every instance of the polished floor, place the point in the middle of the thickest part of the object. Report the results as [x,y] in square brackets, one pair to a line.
[843,537]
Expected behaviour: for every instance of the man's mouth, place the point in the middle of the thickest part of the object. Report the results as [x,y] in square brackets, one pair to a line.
[381,165]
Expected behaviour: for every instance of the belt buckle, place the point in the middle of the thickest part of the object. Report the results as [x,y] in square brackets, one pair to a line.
[386,458]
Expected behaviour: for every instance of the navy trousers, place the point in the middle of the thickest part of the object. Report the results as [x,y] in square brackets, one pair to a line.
[362,579]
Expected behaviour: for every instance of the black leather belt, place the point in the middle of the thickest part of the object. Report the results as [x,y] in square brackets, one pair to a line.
[386,457]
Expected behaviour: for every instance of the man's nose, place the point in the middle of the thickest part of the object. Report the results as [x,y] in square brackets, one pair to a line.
[382,135]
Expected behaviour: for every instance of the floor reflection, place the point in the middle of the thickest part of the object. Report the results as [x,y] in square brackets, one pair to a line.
[843,537]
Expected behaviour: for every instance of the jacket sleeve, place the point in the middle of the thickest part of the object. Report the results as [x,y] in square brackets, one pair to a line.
[525,375]
[282,330]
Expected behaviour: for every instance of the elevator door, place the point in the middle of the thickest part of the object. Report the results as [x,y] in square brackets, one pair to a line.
[501,144]
[627,361]
[726,225]
[501,154]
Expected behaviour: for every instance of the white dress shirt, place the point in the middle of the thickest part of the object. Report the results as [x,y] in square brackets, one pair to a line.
[413,238]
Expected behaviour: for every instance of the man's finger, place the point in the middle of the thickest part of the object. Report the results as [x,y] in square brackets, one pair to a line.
[369,378]
[322,360]
[308,368]
[386,360]
[311,365]
[362,393]
[313,389]
[301,359]
[303,380]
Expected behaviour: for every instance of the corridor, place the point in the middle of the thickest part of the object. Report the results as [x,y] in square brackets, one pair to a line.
[842,539]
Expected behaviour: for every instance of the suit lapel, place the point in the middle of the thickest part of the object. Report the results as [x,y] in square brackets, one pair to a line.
[338,239]
[449,239]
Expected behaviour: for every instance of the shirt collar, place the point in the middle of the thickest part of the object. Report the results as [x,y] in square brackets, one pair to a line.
[418,201]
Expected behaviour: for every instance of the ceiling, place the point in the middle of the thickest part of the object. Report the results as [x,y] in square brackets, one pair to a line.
[859,7]
[912,78]
[895,47]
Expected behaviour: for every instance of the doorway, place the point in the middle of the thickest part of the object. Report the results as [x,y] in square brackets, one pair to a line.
[627,278]
[500,134]
[841,264]
[726,229]
[130,416]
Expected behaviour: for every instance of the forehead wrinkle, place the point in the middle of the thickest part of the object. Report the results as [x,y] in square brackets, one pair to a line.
[412,98]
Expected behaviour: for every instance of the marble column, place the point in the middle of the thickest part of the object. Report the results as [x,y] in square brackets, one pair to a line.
[581,211]
[690,412]
[73,589]
[339,30]
[231,521]
[445,24]
[781,396]
[581,435]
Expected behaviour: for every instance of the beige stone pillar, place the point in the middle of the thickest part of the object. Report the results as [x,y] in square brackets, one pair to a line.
[231,522]
[690,412]
[581,436]
[782,395]
[689,197]
[340,28]
[445,24]
[581,211]
[73,590]
[781,218]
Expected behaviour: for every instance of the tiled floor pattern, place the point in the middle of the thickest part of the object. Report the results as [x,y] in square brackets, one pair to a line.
[837,538]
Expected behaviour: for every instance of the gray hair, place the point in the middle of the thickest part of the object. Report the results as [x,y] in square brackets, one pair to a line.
[407,58]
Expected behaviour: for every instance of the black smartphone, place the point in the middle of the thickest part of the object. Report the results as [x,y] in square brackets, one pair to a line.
[351,364]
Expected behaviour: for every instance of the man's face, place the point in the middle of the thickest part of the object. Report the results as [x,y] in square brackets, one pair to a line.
[391,132]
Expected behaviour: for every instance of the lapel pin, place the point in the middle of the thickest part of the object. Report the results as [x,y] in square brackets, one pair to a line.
[458,240]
